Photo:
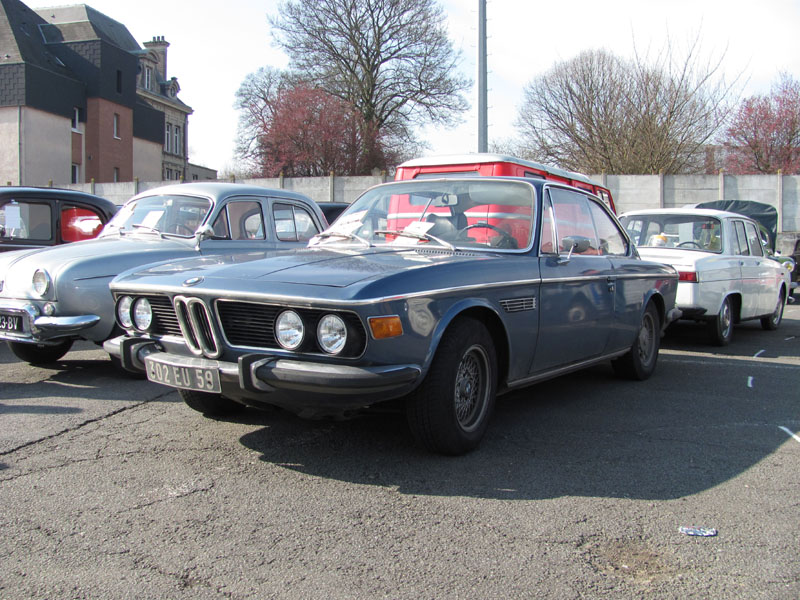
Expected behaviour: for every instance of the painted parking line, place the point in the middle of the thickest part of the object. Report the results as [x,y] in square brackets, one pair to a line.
[759,353]
[790,432]
[750,381]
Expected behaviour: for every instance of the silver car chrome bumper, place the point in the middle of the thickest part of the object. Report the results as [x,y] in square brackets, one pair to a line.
[40,328]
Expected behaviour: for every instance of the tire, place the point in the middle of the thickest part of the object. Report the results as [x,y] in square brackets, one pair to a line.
[639,362]
[211,405]
[772,322]
[40,354]
[720,327]
[450,411]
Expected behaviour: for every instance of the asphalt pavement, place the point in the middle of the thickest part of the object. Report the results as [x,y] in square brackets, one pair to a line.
[111,487]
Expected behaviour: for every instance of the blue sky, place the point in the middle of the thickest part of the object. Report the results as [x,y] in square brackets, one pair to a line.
[212,50]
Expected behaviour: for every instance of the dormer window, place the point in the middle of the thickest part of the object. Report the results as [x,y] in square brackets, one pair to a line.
[148,78]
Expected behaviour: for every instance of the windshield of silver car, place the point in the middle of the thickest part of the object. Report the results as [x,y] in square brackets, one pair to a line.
[686,232]
[458,213]
[161,214]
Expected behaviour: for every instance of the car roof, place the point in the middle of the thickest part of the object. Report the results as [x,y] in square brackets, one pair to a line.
[705,212]
[58,193]
[221,189]
[486,158]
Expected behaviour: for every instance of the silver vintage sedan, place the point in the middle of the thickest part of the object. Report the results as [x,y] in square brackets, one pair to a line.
[441,291]
[50,297]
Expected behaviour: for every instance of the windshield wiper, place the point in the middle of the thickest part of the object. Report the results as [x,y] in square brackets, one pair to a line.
[148,228]
[346,235]
[425,237]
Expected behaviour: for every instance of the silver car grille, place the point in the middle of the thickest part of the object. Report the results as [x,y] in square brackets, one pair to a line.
[197,326]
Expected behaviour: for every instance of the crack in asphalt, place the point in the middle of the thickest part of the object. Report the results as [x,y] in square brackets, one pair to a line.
[82,424]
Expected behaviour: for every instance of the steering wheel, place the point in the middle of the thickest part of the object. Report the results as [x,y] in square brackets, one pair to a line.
[506,239]
[689,242]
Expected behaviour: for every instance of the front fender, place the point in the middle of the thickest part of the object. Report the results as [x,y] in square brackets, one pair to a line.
[455,310]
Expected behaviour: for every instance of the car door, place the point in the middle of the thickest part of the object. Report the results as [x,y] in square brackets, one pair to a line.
[577,290]
[759,271]
[748,268]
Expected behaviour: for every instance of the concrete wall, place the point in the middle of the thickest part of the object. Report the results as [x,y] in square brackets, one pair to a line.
[146,160]
[9,149]
[630,192]
[46,148]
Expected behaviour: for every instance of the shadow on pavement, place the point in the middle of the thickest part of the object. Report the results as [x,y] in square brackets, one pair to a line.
[694,425]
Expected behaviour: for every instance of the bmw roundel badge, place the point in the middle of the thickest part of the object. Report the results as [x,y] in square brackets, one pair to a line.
[192,281]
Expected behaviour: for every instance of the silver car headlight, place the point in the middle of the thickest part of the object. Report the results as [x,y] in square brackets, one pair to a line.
[332,334]
[41,282]
[142,314]
[289,330]
[124,312]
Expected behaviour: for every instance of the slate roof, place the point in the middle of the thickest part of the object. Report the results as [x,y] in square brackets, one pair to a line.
[80,23]
[21,41]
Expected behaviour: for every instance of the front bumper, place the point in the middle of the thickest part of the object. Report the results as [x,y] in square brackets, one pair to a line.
[38,328]
[300,386]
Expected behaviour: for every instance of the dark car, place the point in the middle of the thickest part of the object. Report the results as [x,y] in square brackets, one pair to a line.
[441,291]
[50,297]
[32,217]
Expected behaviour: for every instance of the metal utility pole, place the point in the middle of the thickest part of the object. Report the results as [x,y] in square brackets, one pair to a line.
[483,122]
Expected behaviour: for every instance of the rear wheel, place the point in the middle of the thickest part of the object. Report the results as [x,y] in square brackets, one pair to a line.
[211,405]
[771,322]
[720,327]
[450,411]
[40,354]
[640,361]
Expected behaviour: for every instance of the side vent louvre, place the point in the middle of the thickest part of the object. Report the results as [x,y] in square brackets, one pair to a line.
[518,304]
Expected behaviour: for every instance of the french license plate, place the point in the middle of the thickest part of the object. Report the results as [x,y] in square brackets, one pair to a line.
[11,323]
[189,377]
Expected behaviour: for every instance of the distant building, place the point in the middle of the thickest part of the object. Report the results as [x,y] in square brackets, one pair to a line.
[80,100]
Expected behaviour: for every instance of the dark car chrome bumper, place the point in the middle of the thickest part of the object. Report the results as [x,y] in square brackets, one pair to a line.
[293,384]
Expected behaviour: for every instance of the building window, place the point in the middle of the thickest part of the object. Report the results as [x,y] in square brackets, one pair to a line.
[76,173]
[167,174]
[148,77]
[76,118]
[119,81]
[167,137]
[177,145]
[116,126]
[116,174]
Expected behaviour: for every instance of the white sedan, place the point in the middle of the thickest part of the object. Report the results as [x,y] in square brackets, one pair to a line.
[725,275]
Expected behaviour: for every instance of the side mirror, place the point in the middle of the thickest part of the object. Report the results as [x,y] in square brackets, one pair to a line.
[203,232]
[573,244]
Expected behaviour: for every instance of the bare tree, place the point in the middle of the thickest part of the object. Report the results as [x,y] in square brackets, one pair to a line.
[598,112]
[391,59]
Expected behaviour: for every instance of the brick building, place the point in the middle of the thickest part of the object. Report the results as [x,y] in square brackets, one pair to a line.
[80,100]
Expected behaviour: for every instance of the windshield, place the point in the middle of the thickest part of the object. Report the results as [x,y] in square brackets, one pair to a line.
[454,213]
[167,214]
[687,231]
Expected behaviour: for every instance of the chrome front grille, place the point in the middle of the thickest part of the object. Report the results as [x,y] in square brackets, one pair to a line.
[197,326]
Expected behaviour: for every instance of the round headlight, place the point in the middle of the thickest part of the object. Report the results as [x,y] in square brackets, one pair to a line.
[142,314]
[41,281]
[289,330]
[124,312]
[331,334]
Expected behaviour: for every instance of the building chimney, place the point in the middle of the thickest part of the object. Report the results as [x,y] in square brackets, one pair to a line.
[159,45]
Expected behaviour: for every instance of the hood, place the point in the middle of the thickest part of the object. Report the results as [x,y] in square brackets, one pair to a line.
[271,271]
[90,259]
